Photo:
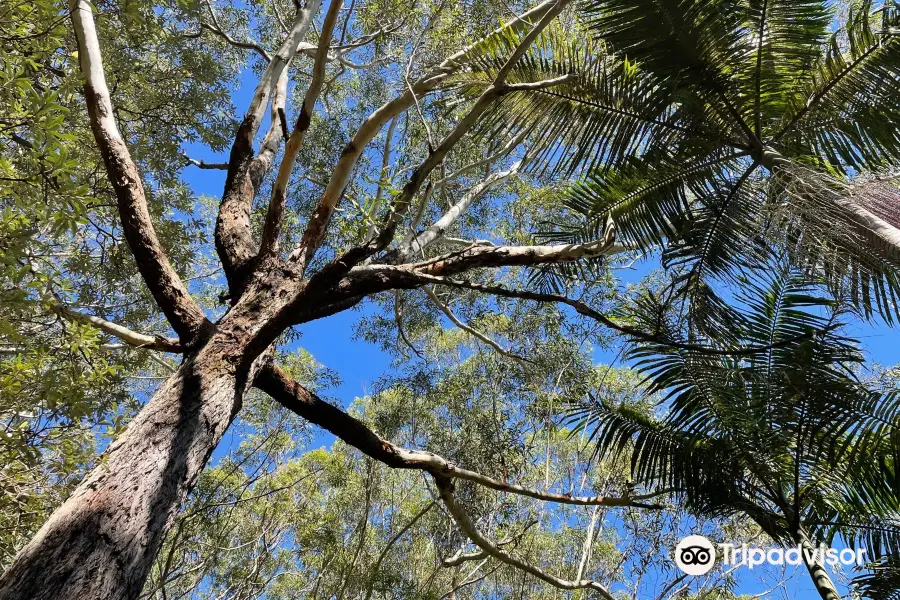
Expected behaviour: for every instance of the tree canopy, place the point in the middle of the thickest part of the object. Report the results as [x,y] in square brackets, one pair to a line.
[623,259]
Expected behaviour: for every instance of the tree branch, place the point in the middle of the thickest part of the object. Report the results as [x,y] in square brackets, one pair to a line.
[417,243]
[515,141]
[296,398]
[379,190]
[480,254]
[234,241]
[275,213]
[132,338]
[587,311]
[183,313]
[374,569]
[217,29]
[467,328]
[201,164]
[465,523]
[487,98]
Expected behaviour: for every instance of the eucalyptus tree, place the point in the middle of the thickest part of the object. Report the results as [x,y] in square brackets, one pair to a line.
[62,258]
[536,89]
[101,542]
[790,437]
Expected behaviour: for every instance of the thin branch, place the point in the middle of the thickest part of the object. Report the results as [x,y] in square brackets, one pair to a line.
[469,329]
[398,318]
[487,98]
[587,311]
[374,569]
[132,338]
[415,245]
[379,191]
[201,164]
[469,579]
[533,86]
[588,545]
[465,523]
[217,29]
[314,234]
[515,141]
[463,557]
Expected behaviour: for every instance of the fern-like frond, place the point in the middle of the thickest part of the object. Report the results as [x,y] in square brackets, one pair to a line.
[647,200]
[787,37]
[696,43]
[580,107]
[882,582]
[848,112]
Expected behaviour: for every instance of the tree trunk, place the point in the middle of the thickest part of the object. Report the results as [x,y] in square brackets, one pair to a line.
[100,543]
[817,572]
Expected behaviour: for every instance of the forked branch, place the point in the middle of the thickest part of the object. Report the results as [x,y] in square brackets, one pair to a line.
[234,241]
[275,213]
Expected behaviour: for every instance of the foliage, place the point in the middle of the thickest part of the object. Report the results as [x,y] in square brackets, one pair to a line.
[789,436]
[722,136]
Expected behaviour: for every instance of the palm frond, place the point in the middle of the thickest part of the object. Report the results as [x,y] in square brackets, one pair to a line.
[787,37]
[647,200]
[722,221]
[857,517]
[583,107]
[846,232]
[848,113]
[882,582]
[660,455]
[695,43]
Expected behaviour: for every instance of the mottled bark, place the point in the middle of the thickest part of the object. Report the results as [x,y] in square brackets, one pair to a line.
[101,542]
[234,242]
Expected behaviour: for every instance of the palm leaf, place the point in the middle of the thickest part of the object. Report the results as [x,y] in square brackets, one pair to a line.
[601,109]
[848,112]
[883,582]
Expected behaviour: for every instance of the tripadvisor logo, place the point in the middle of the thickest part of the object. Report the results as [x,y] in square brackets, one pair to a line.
[696,555]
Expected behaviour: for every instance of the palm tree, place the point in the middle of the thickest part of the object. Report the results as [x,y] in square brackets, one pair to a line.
[788,436]
[719,130]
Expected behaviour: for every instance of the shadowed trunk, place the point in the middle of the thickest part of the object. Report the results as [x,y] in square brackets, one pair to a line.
[101,542]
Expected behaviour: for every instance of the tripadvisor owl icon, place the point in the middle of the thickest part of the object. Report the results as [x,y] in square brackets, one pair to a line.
[695,555]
